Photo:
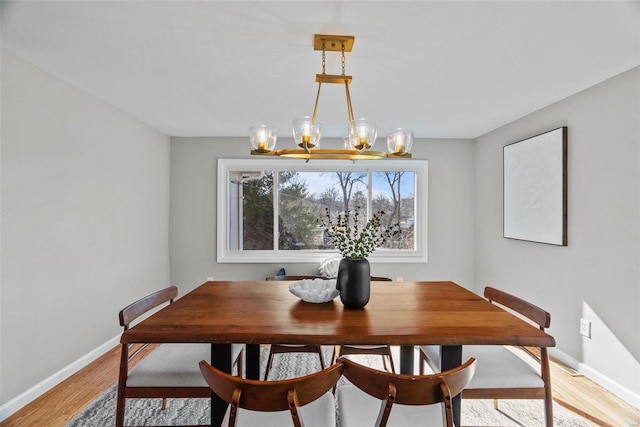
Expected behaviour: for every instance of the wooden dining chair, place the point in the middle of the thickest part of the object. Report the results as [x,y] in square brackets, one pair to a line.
[381,350]
[276,403]
[292,348]
[170,370]
[502,373]
[397,399]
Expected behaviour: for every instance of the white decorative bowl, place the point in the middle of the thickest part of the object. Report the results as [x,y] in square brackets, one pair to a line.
[314,290]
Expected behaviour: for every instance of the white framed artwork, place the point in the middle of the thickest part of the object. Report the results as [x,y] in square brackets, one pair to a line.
[535,188]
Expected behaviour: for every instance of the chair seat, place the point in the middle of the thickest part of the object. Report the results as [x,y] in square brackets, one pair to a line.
[291,345]
[498,367]
[364,347]
[319,413]
[358,409]
[383,350]
[173,365]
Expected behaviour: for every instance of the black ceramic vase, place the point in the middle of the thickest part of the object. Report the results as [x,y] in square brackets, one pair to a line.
[354,282]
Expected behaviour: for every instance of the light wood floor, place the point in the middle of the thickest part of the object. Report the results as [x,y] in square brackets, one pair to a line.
[58,406]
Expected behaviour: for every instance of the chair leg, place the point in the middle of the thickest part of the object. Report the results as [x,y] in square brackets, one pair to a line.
[163,406]
[120,406]
[495,404]
[120,399]
[269,363]
[238,363]
[548,411]
[393,368]
[546,377]
[320,356]
[334,355]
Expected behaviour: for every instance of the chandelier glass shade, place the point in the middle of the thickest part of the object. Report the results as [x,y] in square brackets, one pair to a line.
[306,133]
[263,138]
[400,141]
[361,133]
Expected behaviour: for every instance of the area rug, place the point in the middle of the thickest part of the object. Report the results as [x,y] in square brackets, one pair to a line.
[147,412]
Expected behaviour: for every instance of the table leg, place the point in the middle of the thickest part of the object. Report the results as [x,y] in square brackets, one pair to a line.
[451,357]
[406,359]
[253,361]
[221,359]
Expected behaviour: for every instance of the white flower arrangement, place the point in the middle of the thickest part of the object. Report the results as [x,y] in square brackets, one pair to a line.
[352,239]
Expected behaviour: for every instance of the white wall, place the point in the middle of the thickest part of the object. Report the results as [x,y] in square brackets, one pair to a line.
[193,214]
[85,204]
[598,275]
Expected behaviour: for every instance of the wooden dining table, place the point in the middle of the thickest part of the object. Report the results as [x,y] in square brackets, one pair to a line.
[405,314]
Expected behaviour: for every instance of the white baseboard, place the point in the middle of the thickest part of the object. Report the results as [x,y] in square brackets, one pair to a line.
[20,401]
[619,390]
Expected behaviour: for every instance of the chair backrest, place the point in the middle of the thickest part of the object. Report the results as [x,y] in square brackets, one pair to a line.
[138,308]
[409,389]
[525,308]
[269,396]
[303,277]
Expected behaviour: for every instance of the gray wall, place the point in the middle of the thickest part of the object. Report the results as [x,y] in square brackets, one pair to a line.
[597,276]
[87,225]
[85,205]
[193,214]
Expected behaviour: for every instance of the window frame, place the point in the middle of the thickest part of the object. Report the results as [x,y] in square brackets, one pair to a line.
[225,255]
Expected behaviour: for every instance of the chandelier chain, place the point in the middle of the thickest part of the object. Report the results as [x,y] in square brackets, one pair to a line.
[324,61]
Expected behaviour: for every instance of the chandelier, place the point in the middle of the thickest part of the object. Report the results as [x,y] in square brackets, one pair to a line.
[361,133]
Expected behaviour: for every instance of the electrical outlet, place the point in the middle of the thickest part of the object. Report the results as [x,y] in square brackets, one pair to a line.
[210,279]
[585,328]
[399,279]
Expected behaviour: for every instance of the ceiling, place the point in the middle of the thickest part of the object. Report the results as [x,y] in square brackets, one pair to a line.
[454,69]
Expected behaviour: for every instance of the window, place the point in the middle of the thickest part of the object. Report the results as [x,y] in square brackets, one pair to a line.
[268,209]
